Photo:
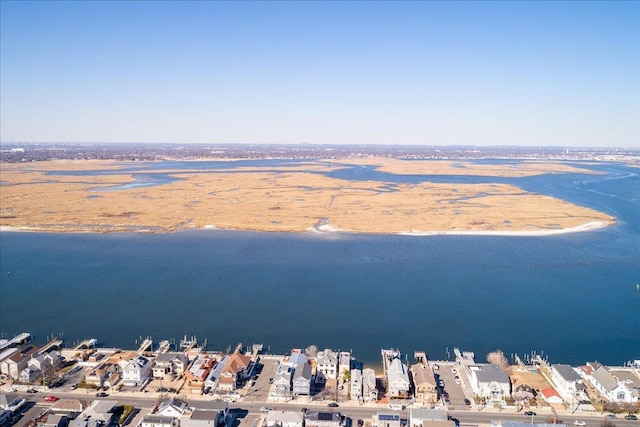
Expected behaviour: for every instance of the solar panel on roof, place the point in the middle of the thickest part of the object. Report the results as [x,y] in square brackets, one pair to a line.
[387,417]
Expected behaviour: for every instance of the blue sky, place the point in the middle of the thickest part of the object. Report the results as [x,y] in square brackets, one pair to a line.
[438,73]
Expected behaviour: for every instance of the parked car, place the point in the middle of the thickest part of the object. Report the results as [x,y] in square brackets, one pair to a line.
[50,398]
[631,417]
[32,390]
[333,405]
[101,394]
[530,413]
[265,409]
[454,370]
[579,423]
[467,402]
[611,416]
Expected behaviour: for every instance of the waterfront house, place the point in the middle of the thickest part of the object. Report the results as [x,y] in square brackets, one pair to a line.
[397,380]
[296,359]
[567,382]
[98,375]
[424,383]
[285,419]
[39,363]
[137,371]
[344,364]
[356,384]
[170,363]
[610,387]
[302,379]
[211,382]
[490,382]
[369,387]
[282,381]
[198,372]
[386,420]
[322,419]
[235,371]
[14,364]
[327,363]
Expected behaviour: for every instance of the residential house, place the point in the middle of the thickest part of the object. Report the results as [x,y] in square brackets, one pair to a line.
[302,379]
[137,372]
[101,410]
[158,421]
[235,371]
[421,417]
[490,382]
[610,387]
[202,418]
[71,407]
[170,363]
[397,380]
[198,372]
[385,420]
[97,375]
[322,419]
[55,420]
[567,382]
[54,359]
[29,374]
[209,414]
[173,408]
[285,419]
[369,387]
[296,359]
[14,364]
[424,383]
[282,381]
[211,382]
[356,384]
[344,363]
[551,396]
[327,363]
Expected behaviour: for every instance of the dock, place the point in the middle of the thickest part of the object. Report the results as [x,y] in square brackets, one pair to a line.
[17,340]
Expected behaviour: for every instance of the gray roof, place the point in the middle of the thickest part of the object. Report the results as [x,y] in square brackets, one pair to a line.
[490,373]
[323,416]
[157,419]
[429,414]
[604,377]
[567,372]
[303,371]
[204,414]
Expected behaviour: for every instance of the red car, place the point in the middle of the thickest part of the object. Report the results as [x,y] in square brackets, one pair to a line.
[50,399]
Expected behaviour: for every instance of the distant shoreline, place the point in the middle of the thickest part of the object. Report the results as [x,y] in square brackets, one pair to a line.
[327,229]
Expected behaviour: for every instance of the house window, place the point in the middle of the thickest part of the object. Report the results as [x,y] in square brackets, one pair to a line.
[621,395]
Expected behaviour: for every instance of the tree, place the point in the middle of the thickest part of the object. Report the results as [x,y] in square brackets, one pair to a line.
[497,358]
[311,351]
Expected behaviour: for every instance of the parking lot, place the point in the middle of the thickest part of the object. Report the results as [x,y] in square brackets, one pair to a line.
[452,389]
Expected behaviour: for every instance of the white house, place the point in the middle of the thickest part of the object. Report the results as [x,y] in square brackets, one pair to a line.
[327,363]
[285,419]
[418,416]
[490,381]
[137,371]
[356,384]
[397,380]
[158,421]
[610,387]
[568,383]
[173,408]
[369,388]
[344,363]
[170,363]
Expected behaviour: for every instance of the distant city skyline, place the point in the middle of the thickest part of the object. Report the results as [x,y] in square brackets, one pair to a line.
[432,73]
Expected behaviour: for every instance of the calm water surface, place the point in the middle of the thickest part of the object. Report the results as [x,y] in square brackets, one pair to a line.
[573,296]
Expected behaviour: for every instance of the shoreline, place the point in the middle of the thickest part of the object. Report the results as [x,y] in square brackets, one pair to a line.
[328,229]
